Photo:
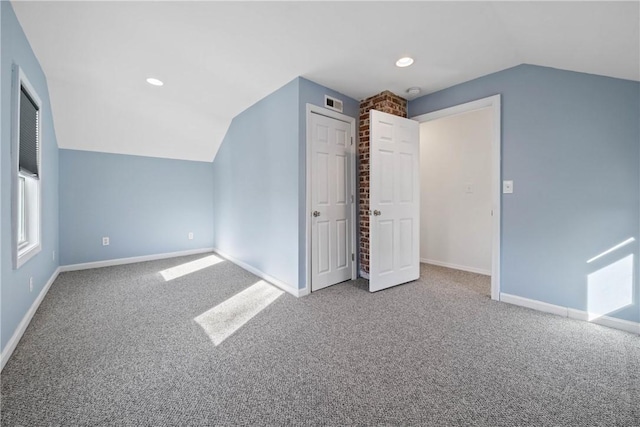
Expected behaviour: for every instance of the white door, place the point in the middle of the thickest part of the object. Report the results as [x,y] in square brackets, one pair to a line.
[394,201]
[331,198]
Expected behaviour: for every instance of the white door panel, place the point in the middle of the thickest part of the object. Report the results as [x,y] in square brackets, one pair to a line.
[324,244]
[394,201]
[405,259]
[343,244]
[406,178]
[385,240]
[341,179]
[331,250]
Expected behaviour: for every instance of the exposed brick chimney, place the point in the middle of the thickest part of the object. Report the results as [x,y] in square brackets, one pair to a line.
[387,102]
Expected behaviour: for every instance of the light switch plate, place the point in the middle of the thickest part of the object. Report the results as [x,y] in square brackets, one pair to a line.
[507,187]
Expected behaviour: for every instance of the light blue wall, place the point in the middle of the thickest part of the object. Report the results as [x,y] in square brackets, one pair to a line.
[255,186]
[571,143]
[145,206]
[14,290]
[259,182]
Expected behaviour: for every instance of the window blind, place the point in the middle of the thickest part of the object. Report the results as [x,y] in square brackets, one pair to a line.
[29,141]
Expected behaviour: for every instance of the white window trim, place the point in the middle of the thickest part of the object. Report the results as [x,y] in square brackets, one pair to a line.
[21,253]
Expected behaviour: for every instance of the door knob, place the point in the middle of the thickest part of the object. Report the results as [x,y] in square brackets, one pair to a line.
[316,213]
[377,213]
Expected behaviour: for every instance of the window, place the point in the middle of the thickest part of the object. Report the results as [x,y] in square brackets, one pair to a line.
[22,229]
[28,174]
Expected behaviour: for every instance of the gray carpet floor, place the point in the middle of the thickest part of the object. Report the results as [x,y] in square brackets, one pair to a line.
[119,346]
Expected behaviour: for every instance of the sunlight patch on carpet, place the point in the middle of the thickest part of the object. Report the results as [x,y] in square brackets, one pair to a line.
[223,320]
[190,267]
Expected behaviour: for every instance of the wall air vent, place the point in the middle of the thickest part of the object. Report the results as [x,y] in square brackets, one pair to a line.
[333,103]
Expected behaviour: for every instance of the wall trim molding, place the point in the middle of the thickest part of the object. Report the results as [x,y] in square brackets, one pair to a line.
[24,323]
[131,260]
[456,266]
[261,274]
[571,313]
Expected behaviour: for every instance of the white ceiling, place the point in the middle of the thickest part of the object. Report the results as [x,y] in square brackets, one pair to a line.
[218,58]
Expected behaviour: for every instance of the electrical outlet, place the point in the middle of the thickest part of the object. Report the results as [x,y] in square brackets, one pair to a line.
[30,284]
[105,241]
[507,187]
[190,236]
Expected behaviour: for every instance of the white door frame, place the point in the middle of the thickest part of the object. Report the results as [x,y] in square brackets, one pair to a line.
[496,174]
[314,109]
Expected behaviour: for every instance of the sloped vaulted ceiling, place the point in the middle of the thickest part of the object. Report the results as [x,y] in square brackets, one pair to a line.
[218,58]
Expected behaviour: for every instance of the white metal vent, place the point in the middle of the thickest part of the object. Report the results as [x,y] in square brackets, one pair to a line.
[333,103]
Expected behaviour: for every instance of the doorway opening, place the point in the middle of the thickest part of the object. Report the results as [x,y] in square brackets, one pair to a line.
[460,180]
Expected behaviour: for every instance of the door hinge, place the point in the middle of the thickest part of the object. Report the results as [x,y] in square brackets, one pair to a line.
[351,140]
[353,257]
[352,198]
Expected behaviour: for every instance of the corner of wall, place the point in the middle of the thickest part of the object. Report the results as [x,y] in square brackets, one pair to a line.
[258,164]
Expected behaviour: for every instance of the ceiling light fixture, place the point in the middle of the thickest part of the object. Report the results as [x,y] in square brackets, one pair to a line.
[413,91]
[154,82]
[404,62]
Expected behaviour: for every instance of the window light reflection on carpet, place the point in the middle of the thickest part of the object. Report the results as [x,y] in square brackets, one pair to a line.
[224,319]
[190,267]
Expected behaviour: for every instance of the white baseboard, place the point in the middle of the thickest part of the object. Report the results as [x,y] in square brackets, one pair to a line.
[132,260]
[282,285]
[534,304]
[17,335]
[571,313]
[608,321]
[456,266]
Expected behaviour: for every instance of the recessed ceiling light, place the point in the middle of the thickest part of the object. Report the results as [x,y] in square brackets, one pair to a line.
[404,62]
[154,82]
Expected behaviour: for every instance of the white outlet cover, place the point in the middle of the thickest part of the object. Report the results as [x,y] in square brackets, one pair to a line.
[105,241]
[190,236]
[507,187]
